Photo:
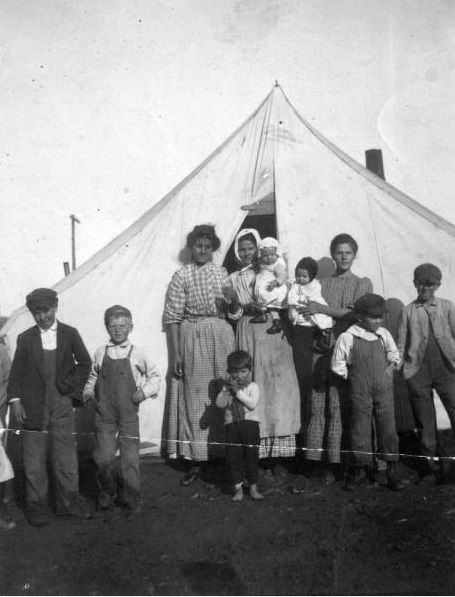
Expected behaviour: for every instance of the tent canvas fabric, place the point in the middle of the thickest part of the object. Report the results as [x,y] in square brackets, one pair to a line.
[319,192]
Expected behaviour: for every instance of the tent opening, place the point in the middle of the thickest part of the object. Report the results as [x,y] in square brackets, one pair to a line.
[259,215]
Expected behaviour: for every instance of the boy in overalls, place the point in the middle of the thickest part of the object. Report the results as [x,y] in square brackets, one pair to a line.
[367,356]
[122,377]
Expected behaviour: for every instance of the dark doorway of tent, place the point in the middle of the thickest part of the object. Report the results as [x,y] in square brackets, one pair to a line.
[259,215]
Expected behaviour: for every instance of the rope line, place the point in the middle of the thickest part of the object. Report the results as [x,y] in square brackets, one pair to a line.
[18,432]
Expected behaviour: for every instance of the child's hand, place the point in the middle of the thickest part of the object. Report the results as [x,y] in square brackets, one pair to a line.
[272,285]
[233,385]
[18,411]
[87,397]
[138,396]
[390,369]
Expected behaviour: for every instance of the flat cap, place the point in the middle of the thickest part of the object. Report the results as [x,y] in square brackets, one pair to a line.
[372,305]
[41,298]
[428,273]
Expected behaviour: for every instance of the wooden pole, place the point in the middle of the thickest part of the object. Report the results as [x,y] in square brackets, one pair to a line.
[374,162]
[73,239]
[66,268]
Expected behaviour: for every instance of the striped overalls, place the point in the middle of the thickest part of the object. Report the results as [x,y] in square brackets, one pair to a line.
[371,398]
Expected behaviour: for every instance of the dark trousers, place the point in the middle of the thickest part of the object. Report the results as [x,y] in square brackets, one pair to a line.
[376,404]
[242,451]
[117,425]
[431,376]
[59,428]
[302,341]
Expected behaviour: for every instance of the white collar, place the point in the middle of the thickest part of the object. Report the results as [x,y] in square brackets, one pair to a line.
[53,328]
[125,344]
[360,332]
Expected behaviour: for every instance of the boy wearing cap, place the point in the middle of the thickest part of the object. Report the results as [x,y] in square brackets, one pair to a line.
[49,370]
[122,377]
[366,355]
[426,341]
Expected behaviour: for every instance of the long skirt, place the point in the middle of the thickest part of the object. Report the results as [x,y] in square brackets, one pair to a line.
[279,398]
[326,432]
[196,429]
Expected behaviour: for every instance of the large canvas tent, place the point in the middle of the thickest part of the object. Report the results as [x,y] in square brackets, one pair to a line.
[317,191]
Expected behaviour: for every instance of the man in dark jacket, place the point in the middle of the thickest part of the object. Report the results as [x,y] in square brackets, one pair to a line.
[49,370]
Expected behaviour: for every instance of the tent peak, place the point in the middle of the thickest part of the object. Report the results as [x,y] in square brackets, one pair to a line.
[276,83]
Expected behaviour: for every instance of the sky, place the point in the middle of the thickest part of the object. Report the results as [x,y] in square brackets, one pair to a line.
[108,104]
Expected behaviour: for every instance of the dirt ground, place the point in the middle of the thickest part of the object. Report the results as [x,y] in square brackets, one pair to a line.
[304,539]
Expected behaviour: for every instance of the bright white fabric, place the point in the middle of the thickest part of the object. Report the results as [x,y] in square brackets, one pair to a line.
[269,243]
[341,358]
[6,469]
[275,298]
[240,235]
[300,294]
[49,337]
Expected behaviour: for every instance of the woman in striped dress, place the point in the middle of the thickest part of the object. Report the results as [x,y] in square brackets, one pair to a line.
[201,340]
[324,432]
[273,368]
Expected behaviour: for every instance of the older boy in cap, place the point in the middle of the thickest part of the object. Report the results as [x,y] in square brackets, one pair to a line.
[122,377]
[426,340]
[49,370]
[366,355]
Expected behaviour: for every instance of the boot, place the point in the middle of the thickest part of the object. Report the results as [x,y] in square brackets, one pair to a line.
[259,318]
[276,327]
[356,478]
[37,514]
[393,478]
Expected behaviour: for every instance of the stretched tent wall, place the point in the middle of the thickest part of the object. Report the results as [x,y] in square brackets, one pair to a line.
[319,192]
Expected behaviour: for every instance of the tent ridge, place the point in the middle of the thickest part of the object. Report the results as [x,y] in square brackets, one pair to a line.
[388,188]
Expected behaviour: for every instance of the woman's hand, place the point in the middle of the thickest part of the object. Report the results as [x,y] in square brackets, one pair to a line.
[138,396]
[178,366]
[272,285]
[313,308]
[18,411]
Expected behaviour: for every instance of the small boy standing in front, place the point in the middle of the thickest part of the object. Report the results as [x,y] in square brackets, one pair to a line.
[240,398]
[122,377]
[367,356]
[426,341]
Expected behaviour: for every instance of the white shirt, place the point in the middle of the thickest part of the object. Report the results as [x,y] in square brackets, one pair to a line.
[341,357]
[300,295]
[145,372]
[49,337]
[248,396]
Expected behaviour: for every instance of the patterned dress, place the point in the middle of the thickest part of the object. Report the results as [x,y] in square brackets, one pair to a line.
[273,371]
[325,429]
[194,300]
